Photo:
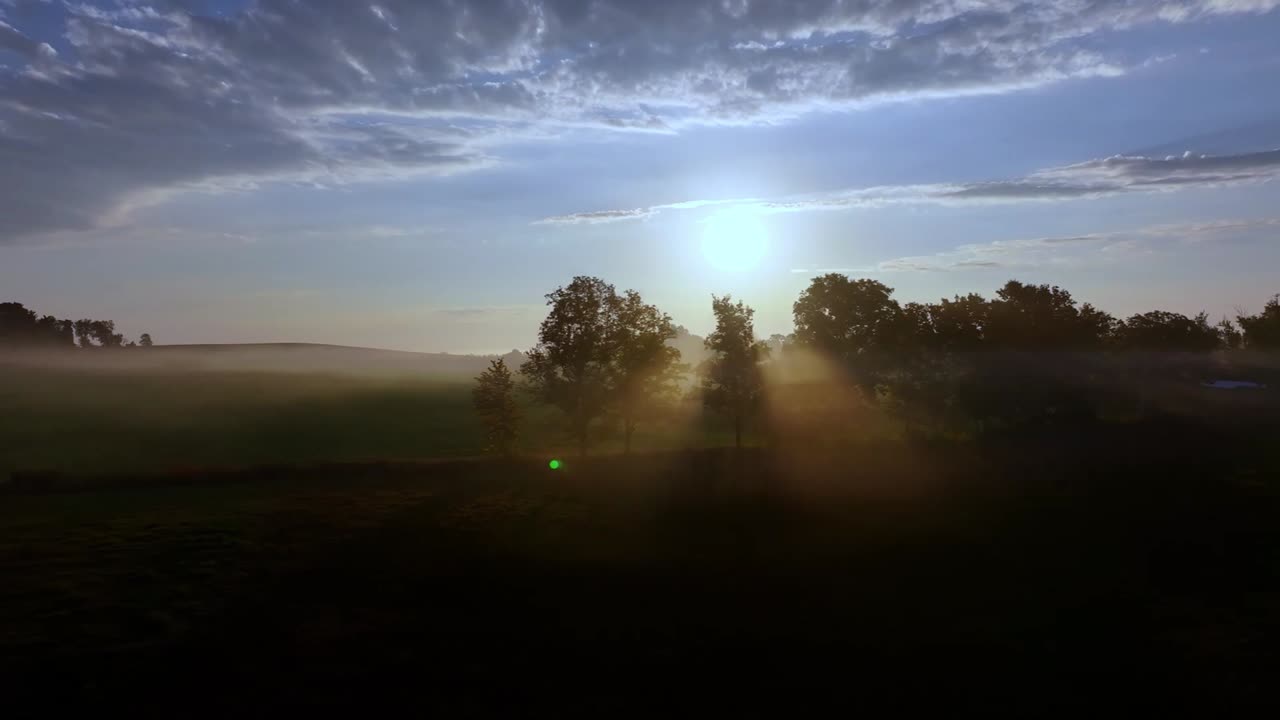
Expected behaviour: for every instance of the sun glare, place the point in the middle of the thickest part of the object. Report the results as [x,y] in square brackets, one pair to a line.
[734,241]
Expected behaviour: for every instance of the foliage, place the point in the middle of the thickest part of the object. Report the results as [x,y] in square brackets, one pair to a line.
[1262,331]
[1044,317]
[495,403]
[732,382]
[644,369]
[855,321]
[1229,336]
[20,326]
[98,333]
[1169,331]
[600,352]
[960,323]
[572,365]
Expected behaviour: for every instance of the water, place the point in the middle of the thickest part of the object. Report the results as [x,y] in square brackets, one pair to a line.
[1234,385]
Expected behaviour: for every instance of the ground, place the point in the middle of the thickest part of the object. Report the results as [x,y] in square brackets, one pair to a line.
[706,580]
[100,422]
[231,542]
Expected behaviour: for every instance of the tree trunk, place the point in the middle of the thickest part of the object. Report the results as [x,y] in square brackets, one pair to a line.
[737,431]
[628,428]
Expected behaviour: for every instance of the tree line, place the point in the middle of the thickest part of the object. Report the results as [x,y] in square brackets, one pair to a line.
[21,327]
[607,356]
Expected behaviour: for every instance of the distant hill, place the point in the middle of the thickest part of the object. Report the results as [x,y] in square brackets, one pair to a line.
[269,357]
[295,357]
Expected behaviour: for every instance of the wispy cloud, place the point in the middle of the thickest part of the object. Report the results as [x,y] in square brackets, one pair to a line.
[151,99]
[1069,249]
[1091,179]
[609,216]
[598,217]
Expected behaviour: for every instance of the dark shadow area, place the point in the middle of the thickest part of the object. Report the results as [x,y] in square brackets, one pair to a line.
[1054,578]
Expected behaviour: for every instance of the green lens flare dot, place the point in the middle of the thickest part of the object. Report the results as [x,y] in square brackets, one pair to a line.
[554,464]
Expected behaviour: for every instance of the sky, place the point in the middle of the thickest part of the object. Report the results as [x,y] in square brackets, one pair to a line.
[418,174]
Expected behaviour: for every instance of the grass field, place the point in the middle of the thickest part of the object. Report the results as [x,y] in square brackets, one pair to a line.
[704,582]
[111,421]
[264,543]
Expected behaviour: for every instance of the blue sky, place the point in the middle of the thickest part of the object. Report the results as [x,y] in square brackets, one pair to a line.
[417,175]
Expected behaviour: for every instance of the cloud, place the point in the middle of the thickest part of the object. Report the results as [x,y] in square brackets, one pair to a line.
[1092,179]
[1077,249]
[1086,180]
[596,218]
[146,99]
[15,41]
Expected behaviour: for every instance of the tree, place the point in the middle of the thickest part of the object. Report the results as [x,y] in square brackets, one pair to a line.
[1229,336]
[731,380]
[1169,331]
[856,321]
[84,331]
[1043,317]
[19,327]
[494,399]
[1262,331]
[960,323]
[17,324]
[53,331]
[145,340]
[571,366]
[643,367]
[97,333]
[916,330]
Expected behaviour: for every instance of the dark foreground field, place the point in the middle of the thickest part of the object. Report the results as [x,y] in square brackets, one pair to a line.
[1134,570]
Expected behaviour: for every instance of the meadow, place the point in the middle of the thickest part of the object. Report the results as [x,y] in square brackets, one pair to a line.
[708,581]
[121,420]
[224,539]
[85,421]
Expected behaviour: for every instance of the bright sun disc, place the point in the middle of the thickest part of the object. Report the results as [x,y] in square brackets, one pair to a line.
[734,241]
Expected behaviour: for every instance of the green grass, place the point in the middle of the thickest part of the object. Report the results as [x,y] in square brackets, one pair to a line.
[102,422]
[481,586]
[123,421]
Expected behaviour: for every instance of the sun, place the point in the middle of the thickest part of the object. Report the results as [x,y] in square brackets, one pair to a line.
[734,241]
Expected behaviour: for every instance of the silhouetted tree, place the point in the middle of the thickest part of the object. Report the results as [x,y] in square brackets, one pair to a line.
[644,368]
[145,340]
[915,329]
[1229,336]
[571,366]
[960,323]
[17,323]
[856,321]
[1043,317]
[99,333]
[1169,331]
[57,332]
[732,382]
[19,327]
[84,333]
[1262,331]
[495,403]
